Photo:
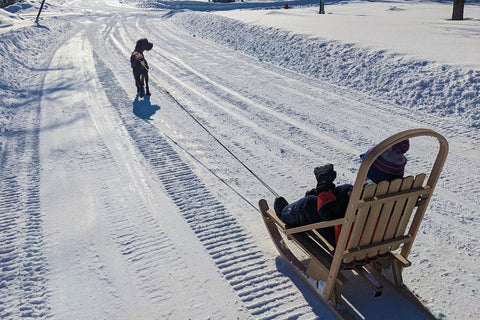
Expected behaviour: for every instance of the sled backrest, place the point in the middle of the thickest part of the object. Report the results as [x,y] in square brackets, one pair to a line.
[380,213]
[377,216]
[383,215]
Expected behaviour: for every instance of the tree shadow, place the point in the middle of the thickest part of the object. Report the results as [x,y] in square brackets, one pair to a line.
[38,25]
[143,109]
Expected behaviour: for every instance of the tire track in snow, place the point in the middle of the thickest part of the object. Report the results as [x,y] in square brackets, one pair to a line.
[458,214]
[367,108]
[23,267]
[196,79]
[247,118]
[265,292]
[150,253]
[235,105]
[22,263]
[251,120]
[203,81]
[110,256]
[368,113]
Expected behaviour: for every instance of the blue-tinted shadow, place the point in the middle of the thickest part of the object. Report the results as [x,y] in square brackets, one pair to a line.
[318,306]
[143,109]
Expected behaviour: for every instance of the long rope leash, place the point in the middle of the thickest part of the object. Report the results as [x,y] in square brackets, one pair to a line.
[202,164]
[212,135]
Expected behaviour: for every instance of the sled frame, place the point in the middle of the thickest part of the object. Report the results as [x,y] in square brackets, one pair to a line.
[378,229]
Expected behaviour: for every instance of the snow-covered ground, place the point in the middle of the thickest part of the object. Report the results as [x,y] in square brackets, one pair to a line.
[118,208]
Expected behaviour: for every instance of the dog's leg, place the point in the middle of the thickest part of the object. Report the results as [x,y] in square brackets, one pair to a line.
[146,84]
[140,82]
[139,88]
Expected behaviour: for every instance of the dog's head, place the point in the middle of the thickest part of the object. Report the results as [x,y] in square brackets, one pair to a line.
[143,44]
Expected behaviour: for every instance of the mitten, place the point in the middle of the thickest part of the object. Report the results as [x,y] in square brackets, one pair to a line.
[312,192]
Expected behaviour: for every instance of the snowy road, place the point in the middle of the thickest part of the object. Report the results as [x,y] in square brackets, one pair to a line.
[128,209]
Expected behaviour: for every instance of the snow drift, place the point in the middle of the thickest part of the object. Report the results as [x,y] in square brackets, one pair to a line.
[419,84]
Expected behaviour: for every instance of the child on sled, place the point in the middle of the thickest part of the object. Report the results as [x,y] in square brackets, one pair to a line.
[328,202]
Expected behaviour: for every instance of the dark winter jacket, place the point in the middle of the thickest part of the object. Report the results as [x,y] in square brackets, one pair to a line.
[327,205]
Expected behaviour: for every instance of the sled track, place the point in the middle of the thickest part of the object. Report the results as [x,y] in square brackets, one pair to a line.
[266,292]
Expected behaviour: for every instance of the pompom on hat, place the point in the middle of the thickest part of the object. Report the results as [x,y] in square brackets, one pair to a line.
[402,147]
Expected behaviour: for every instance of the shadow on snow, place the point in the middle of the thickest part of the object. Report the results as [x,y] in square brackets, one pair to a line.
[143,108]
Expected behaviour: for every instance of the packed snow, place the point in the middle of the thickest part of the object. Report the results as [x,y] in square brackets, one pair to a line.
[123,208]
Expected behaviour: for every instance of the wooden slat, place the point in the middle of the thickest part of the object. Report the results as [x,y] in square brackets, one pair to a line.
[384,245]
[384,218]
[324,241]
[397,212]
[308,227]
[398,196]
[405,263]
[362,214]
[314,226]
[373,219]
[275,218]
[411,202]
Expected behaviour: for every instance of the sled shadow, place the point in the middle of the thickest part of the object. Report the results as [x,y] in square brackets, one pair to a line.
[143,108]
[318,307]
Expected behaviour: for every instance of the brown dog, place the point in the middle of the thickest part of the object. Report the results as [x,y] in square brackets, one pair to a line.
[140,66]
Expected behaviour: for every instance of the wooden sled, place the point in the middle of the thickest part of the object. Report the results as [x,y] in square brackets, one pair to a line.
[378,230]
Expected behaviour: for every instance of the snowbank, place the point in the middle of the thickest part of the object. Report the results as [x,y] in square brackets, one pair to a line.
[6,19]
[19,68]
[408,81]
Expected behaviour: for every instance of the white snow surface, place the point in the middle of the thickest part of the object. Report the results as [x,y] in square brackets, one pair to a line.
[113,207]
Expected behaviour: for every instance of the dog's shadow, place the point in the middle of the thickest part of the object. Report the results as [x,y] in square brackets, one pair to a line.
[143,108]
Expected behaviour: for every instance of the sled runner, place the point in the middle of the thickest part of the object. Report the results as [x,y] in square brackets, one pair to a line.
[377,233]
